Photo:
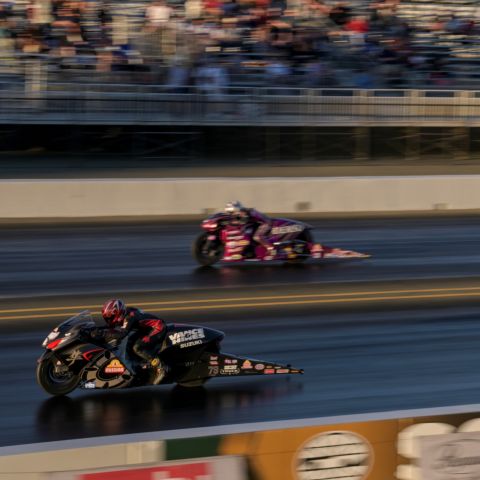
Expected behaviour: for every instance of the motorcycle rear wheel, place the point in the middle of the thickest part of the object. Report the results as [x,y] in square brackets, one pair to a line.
[201,255]
[53,382]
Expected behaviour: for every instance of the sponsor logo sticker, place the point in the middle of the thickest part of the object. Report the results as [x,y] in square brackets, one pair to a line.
[287,229]
[89,385]
[191,344]
[230,370]
[230,367]
[269,371]
[114,366]
[229,361]
[259,366]
[283,370]
[246,365]
[187,336]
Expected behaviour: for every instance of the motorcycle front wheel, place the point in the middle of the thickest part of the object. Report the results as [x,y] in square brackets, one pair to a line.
[206,252]
[55,380]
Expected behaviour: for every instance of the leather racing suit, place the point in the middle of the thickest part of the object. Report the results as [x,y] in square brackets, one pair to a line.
[261,223]
[150,332]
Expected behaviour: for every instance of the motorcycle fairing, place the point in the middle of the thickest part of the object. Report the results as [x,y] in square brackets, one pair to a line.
[226,365]
[108,371]
[322,251]
[239,244]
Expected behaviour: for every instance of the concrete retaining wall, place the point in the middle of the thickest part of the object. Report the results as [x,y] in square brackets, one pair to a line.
[188,196]
[40,465]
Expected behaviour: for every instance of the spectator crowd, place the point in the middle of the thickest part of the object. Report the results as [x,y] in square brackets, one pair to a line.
[214,44]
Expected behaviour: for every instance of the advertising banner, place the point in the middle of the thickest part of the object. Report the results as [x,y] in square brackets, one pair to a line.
[214,468]
[441,447]
[450,457]
[356,451]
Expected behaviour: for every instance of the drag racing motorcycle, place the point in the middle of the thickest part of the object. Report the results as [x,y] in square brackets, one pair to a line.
[293,241]
[72,359]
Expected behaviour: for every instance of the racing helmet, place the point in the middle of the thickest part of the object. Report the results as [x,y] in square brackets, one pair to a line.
[113,312]
[234,207]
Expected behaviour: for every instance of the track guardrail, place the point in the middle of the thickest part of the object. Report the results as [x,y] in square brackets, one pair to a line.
[160,105]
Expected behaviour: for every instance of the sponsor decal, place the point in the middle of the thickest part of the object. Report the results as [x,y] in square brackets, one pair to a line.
[191,344]
[115,367]
[213,357]
[89,385]
[287,229]
[259,366]
[230,370]
[282,370]
[213,362]
[230,367]
[187,336]
[246,365]
[213,370]
[230,361]
[334,455]
[269,371]
[89,355]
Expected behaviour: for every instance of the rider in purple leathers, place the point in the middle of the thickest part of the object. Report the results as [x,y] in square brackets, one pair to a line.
[241,215]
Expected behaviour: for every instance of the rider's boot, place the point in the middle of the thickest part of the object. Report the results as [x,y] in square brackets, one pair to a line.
[270,253]
[159,371]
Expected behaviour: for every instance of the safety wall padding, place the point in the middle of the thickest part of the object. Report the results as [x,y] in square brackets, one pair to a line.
[197,196]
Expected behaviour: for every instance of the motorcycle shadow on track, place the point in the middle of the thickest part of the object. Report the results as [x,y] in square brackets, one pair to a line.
[122,412]
[226,274]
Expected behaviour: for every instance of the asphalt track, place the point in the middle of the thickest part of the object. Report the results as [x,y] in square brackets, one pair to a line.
[407,340]
[150,257]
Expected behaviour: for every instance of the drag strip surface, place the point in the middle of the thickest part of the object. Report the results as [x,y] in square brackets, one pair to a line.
[391,355]
[150,257]
[409,340]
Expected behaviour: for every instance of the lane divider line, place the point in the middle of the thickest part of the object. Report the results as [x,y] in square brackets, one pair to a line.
[241,299]
[278,304]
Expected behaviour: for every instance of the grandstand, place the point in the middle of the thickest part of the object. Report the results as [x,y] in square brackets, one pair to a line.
[300,43]
[394,78]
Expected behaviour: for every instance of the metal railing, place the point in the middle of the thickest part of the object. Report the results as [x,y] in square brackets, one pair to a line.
[159,105]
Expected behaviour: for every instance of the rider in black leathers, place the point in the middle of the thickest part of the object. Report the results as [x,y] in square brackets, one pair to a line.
[150,332]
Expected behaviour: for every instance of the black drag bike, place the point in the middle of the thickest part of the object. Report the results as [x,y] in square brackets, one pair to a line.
[72,359]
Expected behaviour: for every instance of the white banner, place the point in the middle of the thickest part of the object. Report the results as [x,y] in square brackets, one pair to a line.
[450,457]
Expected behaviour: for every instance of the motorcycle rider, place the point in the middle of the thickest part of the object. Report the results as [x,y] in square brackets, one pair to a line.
[150,332]
[241,215]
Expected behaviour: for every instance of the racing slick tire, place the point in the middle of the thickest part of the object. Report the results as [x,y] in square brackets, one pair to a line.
[206,257]
[307,237]
[53,382]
